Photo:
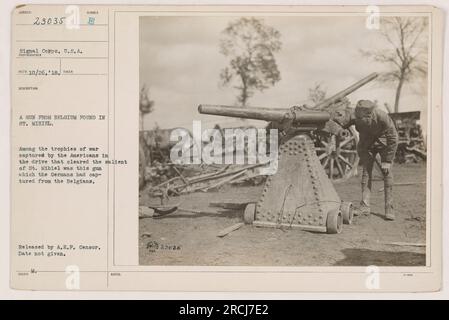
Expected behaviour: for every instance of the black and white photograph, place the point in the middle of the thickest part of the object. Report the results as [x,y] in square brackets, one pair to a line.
[283,140]
[226,151]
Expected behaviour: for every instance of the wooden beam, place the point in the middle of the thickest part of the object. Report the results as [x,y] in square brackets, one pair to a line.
[230,229]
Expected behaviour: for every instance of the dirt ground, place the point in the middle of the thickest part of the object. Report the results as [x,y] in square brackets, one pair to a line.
[185,238]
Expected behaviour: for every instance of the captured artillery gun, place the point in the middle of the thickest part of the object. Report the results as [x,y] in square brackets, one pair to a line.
[299,194]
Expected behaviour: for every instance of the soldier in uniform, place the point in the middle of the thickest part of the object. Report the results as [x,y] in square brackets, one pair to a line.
[378,135]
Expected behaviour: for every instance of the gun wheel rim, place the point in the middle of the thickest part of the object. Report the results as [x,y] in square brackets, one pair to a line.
[249,215]
[338,156]
[334,222]
[347,212]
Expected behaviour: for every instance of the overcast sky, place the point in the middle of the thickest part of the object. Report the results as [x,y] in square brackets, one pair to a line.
[180,62]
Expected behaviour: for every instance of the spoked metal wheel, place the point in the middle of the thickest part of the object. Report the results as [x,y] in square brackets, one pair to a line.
[338,154]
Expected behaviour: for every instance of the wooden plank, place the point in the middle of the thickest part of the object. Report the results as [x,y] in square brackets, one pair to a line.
[229,204]
[197,211]
[230,229]
[404,184]
[224,181]
[287,225]
[410,244]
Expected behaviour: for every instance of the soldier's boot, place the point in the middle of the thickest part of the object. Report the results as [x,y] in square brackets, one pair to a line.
[388,191]
[366,192]
[365,203]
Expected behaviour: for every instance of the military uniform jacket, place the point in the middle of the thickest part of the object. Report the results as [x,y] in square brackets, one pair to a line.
[376,134]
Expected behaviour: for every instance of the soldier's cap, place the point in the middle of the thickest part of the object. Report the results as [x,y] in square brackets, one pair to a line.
[363,108]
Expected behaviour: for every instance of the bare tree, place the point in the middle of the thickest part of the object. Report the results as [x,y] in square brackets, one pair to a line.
[317,93]
[145,105]
[406,55]
[250,45]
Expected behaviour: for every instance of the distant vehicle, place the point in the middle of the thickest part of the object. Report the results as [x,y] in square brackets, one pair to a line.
[412,146]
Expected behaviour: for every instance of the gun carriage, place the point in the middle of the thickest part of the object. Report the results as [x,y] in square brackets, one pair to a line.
[300,194]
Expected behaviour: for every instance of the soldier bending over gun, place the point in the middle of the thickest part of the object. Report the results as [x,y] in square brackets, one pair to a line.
[378,135]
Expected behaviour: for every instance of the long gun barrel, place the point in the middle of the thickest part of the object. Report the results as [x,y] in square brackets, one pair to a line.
[340,95]
[266,114]
[281,114]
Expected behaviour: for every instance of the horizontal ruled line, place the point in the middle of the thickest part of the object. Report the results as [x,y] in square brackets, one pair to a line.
[227,271]
[63,74]
[40,57]
[61,40]
[62,25]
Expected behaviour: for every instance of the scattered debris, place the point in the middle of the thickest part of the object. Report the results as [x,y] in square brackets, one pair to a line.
[145,212]
[163,210]
[416,218]
[206,179]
